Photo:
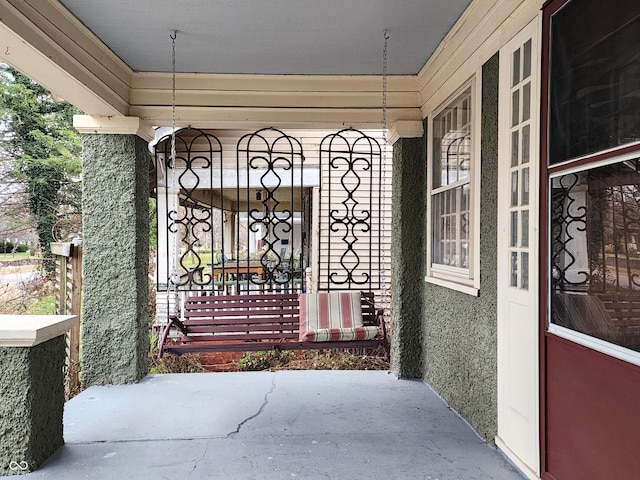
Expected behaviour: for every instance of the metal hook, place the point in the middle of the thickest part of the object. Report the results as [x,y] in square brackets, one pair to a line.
[386,35]
[173,35]
[6,52]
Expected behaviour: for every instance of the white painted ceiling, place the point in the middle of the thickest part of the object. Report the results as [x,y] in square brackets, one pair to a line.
[328,37]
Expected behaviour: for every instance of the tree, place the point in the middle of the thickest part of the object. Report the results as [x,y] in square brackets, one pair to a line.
[39,138]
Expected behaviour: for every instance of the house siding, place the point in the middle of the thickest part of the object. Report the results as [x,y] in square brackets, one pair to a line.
[459,342]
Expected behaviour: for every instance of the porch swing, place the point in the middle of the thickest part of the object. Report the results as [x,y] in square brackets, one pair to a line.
[284,321]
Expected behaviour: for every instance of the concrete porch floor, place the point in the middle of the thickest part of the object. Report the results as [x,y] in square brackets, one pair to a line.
[269,425]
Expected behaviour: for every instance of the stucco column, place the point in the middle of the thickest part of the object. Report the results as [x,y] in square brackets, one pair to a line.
[115,313]
[408,256]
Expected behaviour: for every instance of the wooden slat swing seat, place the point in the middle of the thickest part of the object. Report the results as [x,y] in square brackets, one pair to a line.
[239,323]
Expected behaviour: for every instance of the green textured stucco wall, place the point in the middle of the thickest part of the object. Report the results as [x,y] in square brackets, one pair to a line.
[459,330]
[407,256]
[115,313]
[31,404]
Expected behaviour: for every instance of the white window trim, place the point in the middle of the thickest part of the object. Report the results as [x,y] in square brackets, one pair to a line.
[602,346]
[453,278]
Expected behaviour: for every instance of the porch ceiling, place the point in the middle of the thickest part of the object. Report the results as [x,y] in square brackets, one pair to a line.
[241,63]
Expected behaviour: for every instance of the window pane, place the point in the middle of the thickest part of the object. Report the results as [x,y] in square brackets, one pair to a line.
[516,68]
[525,186]
[514,229]
[526,102]
[514,188]
[452,142]
[595,266]
[451,227]
[525,229]
[526,60]
[524,271]
[515,143]
[525,143]
[514,269]
[515,105]
[595,78]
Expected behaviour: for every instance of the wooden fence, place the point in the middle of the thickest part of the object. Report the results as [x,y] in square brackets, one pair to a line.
[68,299]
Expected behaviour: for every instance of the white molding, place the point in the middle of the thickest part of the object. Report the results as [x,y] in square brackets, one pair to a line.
[55,49]
[517,462]
[405,129]
[479,33]
[602,346]
[32,330]
[468,289]
[89,124]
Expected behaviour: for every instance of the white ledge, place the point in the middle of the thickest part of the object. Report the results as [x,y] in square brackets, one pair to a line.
[31,330]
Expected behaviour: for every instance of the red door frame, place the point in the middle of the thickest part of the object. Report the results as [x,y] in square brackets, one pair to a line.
[587,362]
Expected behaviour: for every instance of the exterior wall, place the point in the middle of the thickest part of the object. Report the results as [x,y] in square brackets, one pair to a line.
[116,259]
[459,330]
[31,404]
[407,256]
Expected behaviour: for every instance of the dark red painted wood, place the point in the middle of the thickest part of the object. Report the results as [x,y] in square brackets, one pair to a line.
[255,323]
[592,414]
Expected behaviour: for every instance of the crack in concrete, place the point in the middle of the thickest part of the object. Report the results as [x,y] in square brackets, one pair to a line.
[265,402]
[204,454]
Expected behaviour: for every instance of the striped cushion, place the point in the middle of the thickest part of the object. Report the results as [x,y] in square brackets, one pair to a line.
[331,317]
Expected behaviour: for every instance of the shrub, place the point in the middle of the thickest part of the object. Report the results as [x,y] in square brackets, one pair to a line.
[256,361]
[22,248]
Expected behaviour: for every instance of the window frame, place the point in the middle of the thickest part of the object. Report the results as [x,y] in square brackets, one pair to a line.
[609,155]
[465,280]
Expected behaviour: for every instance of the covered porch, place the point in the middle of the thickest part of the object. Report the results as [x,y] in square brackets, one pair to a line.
[285,424]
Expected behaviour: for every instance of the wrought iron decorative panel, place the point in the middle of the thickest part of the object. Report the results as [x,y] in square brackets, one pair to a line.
[270,165]
[186,208]
[351,206]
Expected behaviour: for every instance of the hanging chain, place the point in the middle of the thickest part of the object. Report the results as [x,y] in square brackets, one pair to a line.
[173,97]
[385,74]
[174,279]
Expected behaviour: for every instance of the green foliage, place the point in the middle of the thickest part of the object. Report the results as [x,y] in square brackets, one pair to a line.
[43,306]
[153,222]
[256,361]
[40,137]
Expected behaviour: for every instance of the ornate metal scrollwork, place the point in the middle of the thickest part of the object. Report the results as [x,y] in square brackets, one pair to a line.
[276,160]
[190,220]
[350,161]
[567,216]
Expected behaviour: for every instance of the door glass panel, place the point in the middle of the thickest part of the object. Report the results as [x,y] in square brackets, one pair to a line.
[595,261]
[524,271]
[525,186]
[526,139]
[515,143]
[526,60]
[515,105]
[524,243]
[514,229]
[514,188]
[514,269]
[595,78]
[516,68]
[526,102]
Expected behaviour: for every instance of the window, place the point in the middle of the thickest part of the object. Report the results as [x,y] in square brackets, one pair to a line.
[451,190]
[595,78]
[519,155]
[594,209]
